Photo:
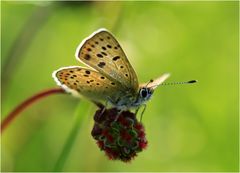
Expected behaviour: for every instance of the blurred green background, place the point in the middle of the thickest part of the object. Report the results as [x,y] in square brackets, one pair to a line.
[189,127]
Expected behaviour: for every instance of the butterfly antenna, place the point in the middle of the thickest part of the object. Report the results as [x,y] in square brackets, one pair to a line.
[150,81]
[176,83]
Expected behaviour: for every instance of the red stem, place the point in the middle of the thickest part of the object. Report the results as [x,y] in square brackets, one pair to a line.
[9,118]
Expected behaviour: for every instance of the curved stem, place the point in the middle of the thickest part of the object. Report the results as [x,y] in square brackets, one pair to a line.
[9,118]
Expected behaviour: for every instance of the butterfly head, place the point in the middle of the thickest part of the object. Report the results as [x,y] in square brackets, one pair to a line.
[146,89]
[145,94]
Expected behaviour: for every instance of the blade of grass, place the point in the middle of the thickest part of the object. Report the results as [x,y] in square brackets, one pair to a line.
[80,113]
[23,41]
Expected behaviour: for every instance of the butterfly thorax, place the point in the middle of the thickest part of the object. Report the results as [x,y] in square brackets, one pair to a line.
[132,101]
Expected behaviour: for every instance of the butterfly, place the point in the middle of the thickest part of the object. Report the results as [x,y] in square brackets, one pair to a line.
[108,77]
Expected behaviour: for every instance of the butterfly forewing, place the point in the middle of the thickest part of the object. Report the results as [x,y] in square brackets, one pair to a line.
[87,82]
[102,52]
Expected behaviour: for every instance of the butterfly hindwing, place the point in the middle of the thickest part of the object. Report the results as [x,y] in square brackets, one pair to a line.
[86,82]
[102,52]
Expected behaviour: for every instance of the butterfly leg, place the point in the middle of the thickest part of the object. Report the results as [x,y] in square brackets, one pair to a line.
[120,110]
[104,107]
[144,108]
[137,110]
[98,104]
[118,114]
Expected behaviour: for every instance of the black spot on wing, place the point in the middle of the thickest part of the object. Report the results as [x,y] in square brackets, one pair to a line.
[104,53]
[116,58]
[87,57]
[101,64]
[99,55]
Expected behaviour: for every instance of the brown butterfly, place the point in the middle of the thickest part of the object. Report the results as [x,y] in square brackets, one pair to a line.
[109,76]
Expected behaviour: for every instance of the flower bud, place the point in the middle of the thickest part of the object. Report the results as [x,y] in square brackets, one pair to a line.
[119,134]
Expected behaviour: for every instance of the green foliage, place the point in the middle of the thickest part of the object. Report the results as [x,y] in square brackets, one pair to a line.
[188,127]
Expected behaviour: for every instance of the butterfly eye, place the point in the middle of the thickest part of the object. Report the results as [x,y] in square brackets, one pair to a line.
[143,92]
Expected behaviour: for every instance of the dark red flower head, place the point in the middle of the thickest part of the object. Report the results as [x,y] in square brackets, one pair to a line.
[120,135]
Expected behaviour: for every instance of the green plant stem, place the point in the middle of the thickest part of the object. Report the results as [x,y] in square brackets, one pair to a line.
[80,113]
[12,115]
